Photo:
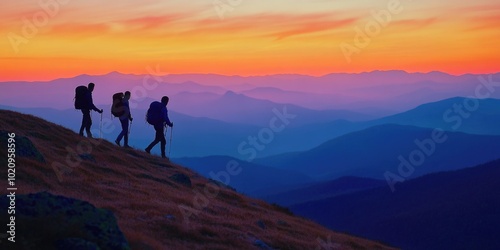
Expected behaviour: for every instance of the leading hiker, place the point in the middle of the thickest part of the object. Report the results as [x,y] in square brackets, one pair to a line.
[158,117]
[124,117]
[86,104]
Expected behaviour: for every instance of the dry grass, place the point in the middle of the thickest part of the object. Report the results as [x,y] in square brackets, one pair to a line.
[137,188]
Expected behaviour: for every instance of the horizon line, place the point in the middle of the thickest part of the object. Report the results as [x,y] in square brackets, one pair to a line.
[263,75]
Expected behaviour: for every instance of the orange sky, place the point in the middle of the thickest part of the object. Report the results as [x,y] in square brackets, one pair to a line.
[72,37]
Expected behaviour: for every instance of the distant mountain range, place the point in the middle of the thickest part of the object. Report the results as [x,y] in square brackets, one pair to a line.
[448,210]
[377,93]
[376,150]
[192,137]
[207,136]
[321,190]
[238,108]
[475,116]
[252,179]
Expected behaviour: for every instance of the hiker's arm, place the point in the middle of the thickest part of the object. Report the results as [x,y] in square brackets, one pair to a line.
[127,107]
[165,118]
[92,106]
[96,109]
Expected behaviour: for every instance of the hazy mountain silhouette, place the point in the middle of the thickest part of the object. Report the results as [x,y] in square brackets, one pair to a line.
[157,204]
[186,101]
[303,99]
[193,136]
[480,116]
[373,151]
[483,120]
[447,210]
[198,136]
[378,92]
[322,190]
[252,179]
[238,108]
[206,131]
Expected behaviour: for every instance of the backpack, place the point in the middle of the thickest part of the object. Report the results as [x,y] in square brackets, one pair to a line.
[81,97]
[154,115]
[117,108]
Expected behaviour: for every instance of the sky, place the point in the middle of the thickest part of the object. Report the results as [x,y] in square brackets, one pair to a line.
[49,39]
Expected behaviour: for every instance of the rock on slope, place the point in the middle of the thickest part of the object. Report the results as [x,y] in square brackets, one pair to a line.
[43,219]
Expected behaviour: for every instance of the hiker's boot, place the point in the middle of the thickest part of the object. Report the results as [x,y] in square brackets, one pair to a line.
[163,144]
[148,150]
[162,150]
[117,142]
[127,146]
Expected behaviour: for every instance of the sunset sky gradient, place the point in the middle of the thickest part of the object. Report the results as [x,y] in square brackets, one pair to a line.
[253,37]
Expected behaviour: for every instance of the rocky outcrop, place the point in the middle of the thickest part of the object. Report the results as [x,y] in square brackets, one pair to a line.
[46,221]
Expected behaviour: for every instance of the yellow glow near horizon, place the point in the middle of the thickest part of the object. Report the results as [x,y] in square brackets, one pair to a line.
[250,38]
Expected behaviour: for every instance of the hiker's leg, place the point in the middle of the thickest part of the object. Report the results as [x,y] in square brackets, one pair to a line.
[125,132]
[163,144]
[87,121]
[158,136]
[159,133]
[84,123]
[151,145]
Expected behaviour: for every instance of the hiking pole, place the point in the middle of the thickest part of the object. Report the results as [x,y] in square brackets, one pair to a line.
[129,127]
[100,127]
[170,146]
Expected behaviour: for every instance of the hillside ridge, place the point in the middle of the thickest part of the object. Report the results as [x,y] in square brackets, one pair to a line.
[155,207]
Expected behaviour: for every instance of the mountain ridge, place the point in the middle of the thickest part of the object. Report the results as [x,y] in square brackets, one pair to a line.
[446,210]
[383,147]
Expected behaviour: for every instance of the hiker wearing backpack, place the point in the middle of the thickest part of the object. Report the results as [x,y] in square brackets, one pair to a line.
[121,109]
[84,102]
[158,117]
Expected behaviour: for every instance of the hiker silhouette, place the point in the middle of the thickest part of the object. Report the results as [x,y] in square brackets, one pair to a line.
[157,116]
[125,117]
[86,105]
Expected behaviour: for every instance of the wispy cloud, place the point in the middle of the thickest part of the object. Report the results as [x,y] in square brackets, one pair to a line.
[312,27]
[485,22]
[80,29]
[416,23]
[276,25]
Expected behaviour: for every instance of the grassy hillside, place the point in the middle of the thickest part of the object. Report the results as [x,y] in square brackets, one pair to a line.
[151,205]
